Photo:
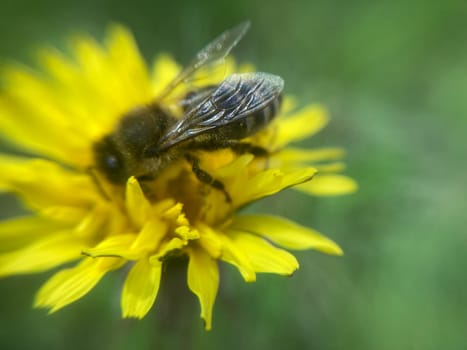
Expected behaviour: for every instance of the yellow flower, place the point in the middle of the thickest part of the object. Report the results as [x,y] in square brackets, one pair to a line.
[59,113]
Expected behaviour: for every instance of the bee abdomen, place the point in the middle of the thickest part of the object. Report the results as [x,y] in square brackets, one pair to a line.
[260,119]
[250,102]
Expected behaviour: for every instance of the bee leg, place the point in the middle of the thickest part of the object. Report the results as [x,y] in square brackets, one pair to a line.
[246,147]
[204,177]
[238,147]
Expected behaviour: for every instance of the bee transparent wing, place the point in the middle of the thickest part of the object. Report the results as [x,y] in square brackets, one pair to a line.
[237,97]
[215,51]
[194,98]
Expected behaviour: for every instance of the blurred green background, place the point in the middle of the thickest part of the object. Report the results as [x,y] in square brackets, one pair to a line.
[394,76]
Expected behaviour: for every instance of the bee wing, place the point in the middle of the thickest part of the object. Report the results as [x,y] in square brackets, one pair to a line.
[194,98]
[235,98]
[215,51]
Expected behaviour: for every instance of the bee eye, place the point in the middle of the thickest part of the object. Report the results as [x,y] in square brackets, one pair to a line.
[110,161]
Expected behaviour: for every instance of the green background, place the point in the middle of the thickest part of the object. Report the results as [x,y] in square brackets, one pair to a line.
[394,76]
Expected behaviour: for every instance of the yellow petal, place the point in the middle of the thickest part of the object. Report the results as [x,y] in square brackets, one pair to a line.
[333,167]
[17,232]
[73,93]
[232,168]
[89,55]
[263,256]
[233,255]
[246,68]
[91,224]
[115,246]
[87,90]
[65,214]
[329,185]
[131,246]
[203,281]
[269,182]
[116,222]
[164,71]
[29,89]
[41,255]
[209,240]
[96,73]
[104,80]
[137,205]
[32,117]
[304,123]
[152,233]
[288,104]
[140,288]
[129,65]
[285,233]
[175,213]
[167,248]
[69,285]
[292,155]
[43,183]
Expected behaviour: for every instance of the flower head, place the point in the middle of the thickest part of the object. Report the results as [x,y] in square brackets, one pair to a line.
[77,216]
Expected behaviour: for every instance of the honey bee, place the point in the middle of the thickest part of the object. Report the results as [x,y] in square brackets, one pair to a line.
[149,138]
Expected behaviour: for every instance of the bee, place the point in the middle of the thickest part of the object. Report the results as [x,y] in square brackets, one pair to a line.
[149,138]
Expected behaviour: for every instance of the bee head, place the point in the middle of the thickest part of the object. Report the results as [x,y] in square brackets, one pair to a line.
[122,154]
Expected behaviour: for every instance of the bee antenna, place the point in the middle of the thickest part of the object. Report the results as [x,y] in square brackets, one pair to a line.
[91,171]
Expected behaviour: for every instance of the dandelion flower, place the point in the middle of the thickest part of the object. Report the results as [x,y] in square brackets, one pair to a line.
[75,217]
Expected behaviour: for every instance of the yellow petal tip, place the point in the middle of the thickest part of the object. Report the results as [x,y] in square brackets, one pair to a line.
[331,248]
